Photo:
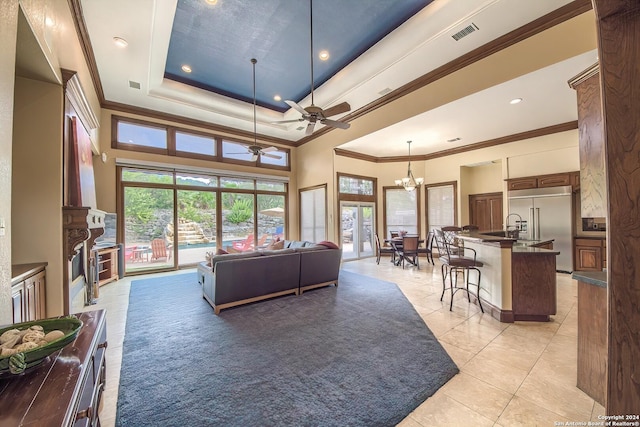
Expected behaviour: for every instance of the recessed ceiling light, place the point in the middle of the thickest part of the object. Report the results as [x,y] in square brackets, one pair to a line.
[186,68]
[515,101]
[120,42]
[323,55]
[211,2]
[277,98]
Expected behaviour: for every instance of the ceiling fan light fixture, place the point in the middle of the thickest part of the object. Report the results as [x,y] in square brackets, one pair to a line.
[120,42]
[314,114]
[409,182]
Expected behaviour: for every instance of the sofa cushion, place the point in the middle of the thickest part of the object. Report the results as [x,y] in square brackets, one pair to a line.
[293,244]
[279,244]
[310,248]
[328,244]
[267,252]
[227,257]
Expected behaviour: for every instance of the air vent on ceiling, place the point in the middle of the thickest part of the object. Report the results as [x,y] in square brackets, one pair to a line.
[453,139]
[134,85]
[465,31]
[300,127]
[384,91]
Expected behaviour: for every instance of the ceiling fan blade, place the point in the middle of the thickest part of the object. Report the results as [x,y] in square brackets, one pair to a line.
[273,156]
[268,149]
[310,126]
[287,121]
[337,109]
[254,157]
[335,124]
[296,107]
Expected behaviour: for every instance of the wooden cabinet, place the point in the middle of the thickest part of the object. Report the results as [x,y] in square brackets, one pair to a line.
[485,211]
[593,186]
[522,183]
[590,254]
[28,292]
[533,285]
[592,340]
[542,181]
[65,389]
[107,262]
[554,180]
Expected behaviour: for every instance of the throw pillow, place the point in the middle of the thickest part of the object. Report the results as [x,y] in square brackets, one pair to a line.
[329,244]
[279,244]
[221,251]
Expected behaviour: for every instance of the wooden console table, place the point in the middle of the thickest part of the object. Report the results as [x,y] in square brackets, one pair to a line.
[64,390]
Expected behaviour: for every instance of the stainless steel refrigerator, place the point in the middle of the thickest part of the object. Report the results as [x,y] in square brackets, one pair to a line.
[545,214]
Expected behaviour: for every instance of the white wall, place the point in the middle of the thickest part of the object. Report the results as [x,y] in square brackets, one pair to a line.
[8,31]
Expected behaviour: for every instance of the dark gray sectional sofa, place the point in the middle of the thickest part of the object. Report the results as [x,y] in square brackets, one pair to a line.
[241,278]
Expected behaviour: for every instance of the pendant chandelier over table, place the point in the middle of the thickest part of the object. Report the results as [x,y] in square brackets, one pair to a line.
[409,182]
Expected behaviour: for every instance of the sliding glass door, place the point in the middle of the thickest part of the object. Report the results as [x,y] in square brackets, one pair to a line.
[148,229]
[357,229]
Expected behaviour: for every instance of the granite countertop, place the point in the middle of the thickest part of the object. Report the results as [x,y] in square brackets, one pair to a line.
[518,246]
[597,278]
[533,250]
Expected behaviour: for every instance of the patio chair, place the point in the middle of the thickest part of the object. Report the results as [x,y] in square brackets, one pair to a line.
[244,245]
[159,250]
[262,241]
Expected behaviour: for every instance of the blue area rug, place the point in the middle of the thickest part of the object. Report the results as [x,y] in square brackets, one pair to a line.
[356,355]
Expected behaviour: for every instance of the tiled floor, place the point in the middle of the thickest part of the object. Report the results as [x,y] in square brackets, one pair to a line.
[510,374]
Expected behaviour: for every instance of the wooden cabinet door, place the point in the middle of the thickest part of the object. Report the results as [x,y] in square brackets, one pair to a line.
[40,287]
[554,180]
[17,303]
[522,183]
[497,215]
[485,211]
[30,298]
[588,255]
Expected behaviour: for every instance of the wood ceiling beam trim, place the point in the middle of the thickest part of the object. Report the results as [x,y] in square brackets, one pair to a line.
[565,13]
[87,49]
[548,130]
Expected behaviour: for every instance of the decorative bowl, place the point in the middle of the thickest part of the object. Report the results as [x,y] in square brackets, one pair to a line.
[20,363]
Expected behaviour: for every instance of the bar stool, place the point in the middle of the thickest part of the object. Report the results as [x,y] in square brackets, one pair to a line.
[453,263]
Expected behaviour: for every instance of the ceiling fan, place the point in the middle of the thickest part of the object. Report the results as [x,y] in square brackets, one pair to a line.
[255,149]
[313,113]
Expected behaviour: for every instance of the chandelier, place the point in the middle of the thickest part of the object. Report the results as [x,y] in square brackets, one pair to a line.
[409,182]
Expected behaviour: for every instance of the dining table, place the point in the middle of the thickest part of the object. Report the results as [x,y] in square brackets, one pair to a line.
[396,244]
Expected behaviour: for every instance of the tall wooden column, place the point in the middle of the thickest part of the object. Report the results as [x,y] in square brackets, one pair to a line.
[618,23]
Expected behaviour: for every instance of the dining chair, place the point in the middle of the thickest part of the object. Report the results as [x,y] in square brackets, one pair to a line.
[454,262]
[428,248]
[383,250]
[409,251]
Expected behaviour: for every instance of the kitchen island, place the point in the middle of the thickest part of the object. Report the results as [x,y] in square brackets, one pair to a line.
[518,277]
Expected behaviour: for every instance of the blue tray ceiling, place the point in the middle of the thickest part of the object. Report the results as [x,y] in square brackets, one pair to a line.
[218,41]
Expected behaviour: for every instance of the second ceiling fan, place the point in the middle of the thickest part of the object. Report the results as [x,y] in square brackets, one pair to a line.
[314,114]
